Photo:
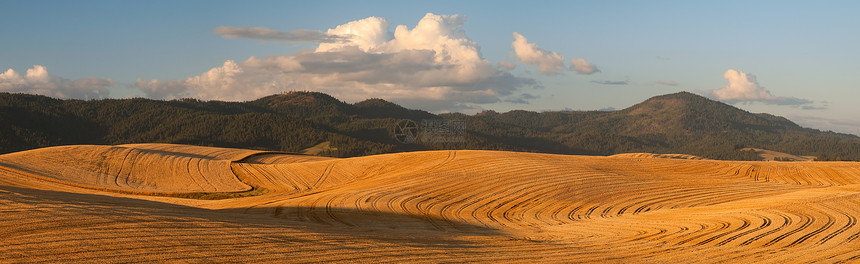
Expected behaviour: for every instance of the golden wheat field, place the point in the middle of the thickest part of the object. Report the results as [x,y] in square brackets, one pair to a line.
[140,203]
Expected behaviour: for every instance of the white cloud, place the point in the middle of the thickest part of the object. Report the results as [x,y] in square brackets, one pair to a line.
[744,87]
[37,80]
[581,66]
[433,66]
[366,34]
[549,63]
[228,82]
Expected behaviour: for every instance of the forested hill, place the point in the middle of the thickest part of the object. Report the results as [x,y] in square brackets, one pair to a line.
[675,123]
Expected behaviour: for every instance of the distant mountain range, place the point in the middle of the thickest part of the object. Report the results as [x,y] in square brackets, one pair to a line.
[674,123]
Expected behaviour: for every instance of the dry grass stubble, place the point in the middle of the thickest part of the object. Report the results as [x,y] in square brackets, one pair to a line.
[83,203]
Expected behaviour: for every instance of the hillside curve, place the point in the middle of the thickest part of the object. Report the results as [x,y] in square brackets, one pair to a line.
[428,207]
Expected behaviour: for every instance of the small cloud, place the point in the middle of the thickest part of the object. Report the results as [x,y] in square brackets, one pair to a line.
[851,126]
[813,107]
[581,66]
[271,34]
[605,82]
[37,80]
[824,105]
[522,99]
[744,87]
[661,58]
[505,65]
[667,83]
[171,89]
[779,100]
[548,63]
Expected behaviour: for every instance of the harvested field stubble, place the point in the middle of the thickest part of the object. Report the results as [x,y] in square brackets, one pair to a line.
[107,204]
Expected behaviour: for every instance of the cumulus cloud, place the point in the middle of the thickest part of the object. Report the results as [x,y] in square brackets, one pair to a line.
[667,83]
[369,33]
[581,66]
[228,82]
[433,66]
[548,62]
[744,87]
[37,80]
[271,34]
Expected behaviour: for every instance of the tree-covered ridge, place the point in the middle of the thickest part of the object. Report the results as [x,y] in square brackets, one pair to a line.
[675,123]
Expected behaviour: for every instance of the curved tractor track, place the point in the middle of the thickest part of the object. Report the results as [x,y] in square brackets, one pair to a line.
[113,204]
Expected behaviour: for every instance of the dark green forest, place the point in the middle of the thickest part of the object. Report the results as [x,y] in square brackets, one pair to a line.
[675,123]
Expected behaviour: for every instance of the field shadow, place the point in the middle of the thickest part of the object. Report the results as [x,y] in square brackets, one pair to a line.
[173,153]
[354,218]
[340,224]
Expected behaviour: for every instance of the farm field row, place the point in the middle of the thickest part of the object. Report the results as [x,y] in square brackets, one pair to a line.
[123,204]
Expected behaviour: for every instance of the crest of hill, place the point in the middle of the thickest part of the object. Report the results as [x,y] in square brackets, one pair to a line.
[658,156]
[676,123]
[691,114]
[379,108]
[297,102]
[319,104]
[682,112]
[137,168]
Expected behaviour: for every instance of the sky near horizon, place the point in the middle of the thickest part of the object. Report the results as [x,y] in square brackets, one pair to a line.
[789,58]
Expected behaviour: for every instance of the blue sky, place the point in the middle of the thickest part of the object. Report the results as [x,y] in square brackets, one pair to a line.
[794,59]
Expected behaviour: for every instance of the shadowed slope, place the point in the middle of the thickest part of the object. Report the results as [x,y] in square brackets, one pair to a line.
[41,226]
[725,210]
[520,189]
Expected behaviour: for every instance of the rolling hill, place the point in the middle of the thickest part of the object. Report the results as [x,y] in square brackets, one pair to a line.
[423,207]
[295,121]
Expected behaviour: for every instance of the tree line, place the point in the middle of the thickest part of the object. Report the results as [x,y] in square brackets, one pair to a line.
[677,123]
